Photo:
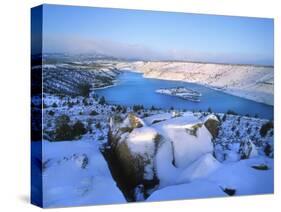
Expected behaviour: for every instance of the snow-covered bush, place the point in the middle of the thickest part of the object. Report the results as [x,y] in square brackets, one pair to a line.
[66,131]
[265,128]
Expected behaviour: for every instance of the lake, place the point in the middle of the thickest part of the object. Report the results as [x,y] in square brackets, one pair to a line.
[133,89]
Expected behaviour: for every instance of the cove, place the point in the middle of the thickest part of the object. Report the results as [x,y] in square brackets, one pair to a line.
[132,89]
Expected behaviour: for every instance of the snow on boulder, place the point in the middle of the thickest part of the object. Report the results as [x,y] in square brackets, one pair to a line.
[150,120]
[201,168]
[189,138]
[170,151]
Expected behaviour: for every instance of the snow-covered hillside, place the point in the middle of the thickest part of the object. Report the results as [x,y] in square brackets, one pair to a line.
[77,78]
[247,81]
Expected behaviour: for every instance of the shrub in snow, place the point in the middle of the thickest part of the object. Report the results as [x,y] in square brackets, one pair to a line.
[118,108]
[224,117]
[65,131]
[265,128]
[78,129]
[51,113]
[84,89]
[231,112]
[94,113]
[124,110]
[262,167]
[152,108]
[98,125]
[137,108]
[101,137]
[102,100]
[54,105]
[70,104]
[268,150]
[85,101]
[247,149]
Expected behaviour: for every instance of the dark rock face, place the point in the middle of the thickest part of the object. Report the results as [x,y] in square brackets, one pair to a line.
[213,126]
[229,191]
[133,165]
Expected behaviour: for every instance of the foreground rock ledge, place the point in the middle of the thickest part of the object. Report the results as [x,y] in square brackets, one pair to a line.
[154,151]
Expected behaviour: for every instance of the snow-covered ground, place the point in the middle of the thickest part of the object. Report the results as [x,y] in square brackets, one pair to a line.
[240,177]
[180,154]
[187,160]
[75,173]
[247,81]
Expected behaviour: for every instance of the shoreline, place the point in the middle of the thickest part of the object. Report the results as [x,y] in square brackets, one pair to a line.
[254,83]
[107,86]
[229,92]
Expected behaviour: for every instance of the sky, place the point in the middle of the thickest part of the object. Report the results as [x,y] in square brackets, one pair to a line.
[151,35]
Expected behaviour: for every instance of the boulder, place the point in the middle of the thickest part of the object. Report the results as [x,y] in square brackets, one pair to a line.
[134,146]
[212,123]
[150,153]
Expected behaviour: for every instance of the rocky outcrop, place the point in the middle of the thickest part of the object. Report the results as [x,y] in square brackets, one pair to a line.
[178,142]
[134,146]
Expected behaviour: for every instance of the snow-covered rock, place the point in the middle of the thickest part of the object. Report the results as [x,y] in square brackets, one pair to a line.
[189,138]
[211,122]
[134,145]
[171,150]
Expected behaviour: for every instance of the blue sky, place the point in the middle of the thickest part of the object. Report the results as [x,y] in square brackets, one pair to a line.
[158,35]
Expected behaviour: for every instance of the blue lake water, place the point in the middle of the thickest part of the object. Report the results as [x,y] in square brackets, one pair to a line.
[134,89]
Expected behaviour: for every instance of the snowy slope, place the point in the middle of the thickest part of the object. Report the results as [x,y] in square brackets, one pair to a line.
[65,77]
[75,173]
[247,81]
[239,176]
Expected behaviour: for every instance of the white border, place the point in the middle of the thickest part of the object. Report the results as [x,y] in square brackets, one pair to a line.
[15,90]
